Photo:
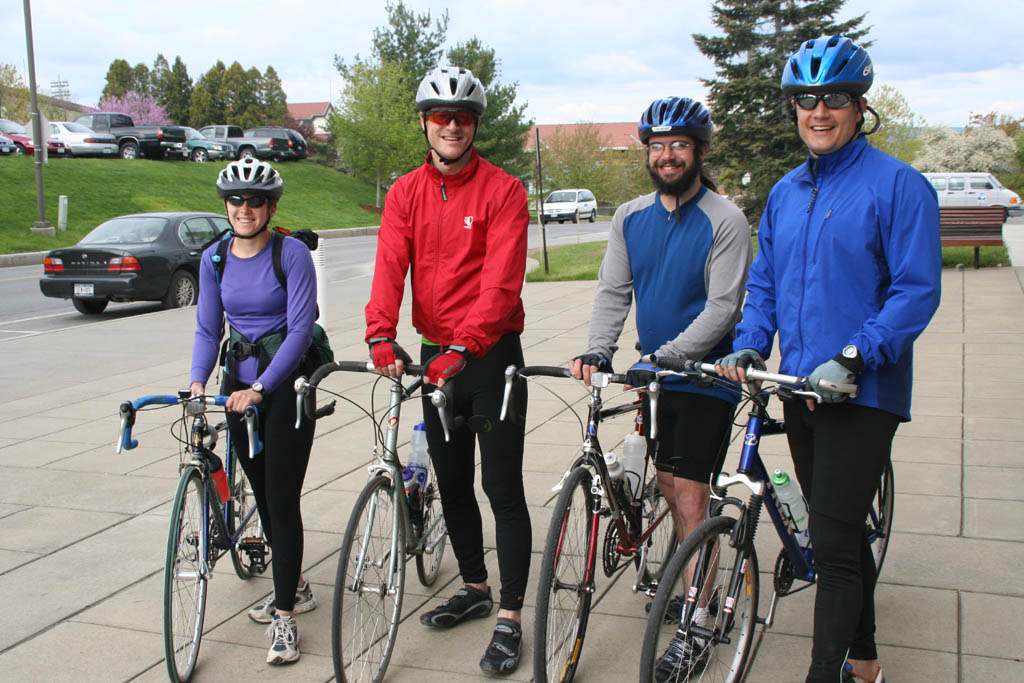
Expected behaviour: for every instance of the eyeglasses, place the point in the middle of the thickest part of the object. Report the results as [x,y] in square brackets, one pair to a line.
[442,117]
[253,202]
[833,100]
[657,148]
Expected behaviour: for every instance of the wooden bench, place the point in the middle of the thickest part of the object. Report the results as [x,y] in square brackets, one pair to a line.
[972,226]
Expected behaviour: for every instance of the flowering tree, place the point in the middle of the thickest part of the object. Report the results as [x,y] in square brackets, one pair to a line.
[142,108]
[985,148]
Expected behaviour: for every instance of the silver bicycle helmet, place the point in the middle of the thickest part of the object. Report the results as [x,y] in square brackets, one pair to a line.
[251,176]
[451,86]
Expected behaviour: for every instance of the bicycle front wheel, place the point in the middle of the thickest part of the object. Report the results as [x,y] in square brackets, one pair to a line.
[250,554]
[369,585]
[879,522]
[185,575]
[434,535]
[725,580]
[566,581]
[661,544]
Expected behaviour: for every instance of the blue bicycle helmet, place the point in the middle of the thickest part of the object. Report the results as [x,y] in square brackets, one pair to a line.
[676,115]
[828,64]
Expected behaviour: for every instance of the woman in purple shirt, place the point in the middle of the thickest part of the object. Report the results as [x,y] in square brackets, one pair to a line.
[246,290]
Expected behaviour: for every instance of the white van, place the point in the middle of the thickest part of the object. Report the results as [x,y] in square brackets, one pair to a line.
[974,189]
[569,205]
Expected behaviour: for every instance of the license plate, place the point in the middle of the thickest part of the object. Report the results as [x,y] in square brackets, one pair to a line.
[84,289]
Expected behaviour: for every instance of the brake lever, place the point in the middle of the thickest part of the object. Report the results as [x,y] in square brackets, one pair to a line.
[124,437]
[510,376]
[849,389]
[440,401]
[255,445]
[301,388]
[653,391]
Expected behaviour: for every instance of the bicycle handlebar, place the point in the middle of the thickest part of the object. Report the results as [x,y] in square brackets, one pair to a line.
[753,374]
[194,405]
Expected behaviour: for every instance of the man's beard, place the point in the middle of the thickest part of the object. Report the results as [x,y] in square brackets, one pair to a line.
[682,184]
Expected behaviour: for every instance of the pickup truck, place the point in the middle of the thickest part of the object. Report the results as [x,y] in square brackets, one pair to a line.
[134,141]
[260,147]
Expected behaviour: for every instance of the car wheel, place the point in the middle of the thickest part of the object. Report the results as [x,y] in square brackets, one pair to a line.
[561,220]
[129,150]
[247,153]
[200,156]
[19,150]
[184,290]
[576,216]
[89,306]
[593,216]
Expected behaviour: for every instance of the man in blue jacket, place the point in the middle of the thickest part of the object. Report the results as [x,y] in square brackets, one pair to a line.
[848,273]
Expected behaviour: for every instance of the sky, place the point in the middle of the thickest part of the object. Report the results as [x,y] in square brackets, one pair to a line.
[573,60]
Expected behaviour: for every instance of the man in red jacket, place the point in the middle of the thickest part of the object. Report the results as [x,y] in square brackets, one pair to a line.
[460,223]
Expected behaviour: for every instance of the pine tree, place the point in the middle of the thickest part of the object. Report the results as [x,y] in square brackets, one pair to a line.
[273,98]
[172,88]
[754,130]
[120,79]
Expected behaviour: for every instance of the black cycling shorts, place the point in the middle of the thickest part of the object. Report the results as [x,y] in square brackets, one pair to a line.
[693,434]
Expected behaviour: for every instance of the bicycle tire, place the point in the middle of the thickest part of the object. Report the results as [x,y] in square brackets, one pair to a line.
[428,564]
[879,523]
[367,603]
[242,500]
[185,578]
[566,582]
[723,658]
[662,544]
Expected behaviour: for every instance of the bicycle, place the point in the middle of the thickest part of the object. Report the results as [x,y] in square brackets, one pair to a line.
[587,493]
[210,516]
[384,530]
[722,559]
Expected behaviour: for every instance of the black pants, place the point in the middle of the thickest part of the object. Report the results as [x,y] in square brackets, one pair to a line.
[839,452]
[478,392]
[276,476]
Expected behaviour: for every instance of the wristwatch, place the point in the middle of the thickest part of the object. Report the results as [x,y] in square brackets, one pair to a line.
[850,351]
[259,388]
[851,359]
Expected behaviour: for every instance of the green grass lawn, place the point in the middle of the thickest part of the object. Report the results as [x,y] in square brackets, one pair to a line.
[581,261]
[315,196]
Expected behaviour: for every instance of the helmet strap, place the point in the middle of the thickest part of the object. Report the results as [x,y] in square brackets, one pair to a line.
[252,236]
[446,160]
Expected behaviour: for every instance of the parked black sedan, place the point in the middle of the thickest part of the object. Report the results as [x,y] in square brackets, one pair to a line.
[142,257]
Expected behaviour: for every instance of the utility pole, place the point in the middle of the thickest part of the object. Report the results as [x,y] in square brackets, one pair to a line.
[42,225]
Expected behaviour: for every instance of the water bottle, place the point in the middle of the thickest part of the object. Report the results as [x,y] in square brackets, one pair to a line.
[634,450]
[415,473]
[615,469]
[791,505]
[220,479]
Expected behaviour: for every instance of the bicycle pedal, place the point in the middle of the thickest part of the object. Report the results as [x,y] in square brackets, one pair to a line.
[256,550]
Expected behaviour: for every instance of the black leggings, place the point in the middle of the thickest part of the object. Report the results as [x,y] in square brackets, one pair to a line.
[478,392]
[276,477]
[839,452]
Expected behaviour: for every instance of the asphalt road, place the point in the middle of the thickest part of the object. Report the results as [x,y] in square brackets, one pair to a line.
[25,312]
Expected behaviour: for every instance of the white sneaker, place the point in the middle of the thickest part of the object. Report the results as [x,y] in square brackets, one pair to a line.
[263,613]
[284,641]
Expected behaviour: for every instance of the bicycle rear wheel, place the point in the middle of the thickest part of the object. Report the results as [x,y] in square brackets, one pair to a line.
[250,553]
[726,580]
[879,522]
[566,581]
[368,586]
[185,575]
[662,543]
[434,535]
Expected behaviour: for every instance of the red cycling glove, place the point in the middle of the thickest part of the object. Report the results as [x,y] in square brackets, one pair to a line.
[385,352]
[446,365]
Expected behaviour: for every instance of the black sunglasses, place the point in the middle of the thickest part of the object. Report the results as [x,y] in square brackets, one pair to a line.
[833,100]
[253,202]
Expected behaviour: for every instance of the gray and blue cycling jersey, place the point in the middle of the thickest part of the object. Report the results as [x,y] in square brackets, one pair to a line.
[687,270]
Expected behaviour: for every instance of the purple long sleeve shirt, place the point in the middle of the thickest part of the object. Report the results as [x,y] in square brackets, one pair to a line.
[255,304]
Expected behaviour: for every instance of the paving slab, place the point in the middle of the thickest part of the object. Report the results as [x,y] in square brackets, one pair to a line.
[992,625]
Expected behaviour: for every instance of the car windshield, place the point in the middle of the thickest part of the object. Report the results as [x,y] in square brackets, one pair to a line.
[192,134]
[561,196]
[128,230]
[12,127]
[77,128]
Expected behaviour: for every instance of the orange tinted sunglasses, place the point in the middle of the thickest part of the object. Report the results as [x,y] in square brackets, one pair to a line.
[442,117]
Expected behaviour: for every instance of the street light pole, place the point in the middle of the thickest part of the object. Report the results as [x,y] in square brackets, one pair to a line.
[41,225]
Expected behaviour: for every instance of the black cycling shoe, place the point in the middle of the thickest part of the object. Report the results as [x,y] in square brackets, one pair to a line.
[467,603]
[674,609]
[685,657]
[502,654]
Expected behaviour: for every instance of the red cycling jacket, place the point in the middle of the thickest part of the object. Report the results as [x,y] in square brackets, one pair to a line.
[465,237]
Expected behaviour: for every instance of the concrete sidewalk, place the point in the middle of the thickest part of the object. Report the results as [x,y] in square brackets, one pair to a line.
[83,530]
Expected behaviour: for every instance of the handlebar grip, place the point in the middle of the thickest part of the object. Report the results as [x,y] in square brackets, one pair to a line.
[544,371]
[675,364]
[324,411]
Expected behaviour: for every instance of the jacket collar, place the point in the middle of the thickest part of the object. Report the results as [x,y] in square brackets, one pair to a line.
[827,164]
[459,178]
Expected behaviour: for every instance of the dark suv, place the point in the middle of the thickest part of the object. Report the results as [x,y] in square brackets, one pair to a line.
[296,143]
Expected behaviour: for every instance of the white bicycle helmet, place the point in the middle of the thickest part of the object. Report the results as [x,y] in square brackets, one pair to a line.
[451,86]
[250,176]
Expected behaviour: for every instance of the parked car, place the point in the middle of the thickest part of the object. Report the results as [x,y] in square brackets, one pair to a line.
[244,147]
[83,141]
[134,141]
[22,139]
[7,145]
[296,143]
[974,189]
[200,149]
[569,205]
[141,257]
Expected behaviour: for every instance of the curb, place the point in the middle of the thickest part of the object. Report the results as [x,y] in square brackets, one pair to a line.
[35,258]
